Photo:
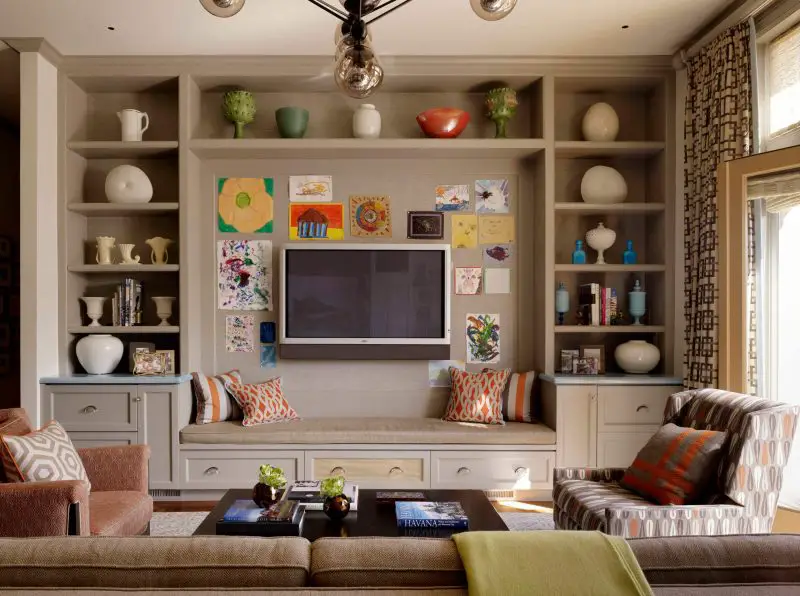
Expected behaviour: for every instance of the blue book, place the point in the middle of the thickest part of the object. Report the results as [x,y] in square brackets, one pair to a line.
[427,514]
[244,510]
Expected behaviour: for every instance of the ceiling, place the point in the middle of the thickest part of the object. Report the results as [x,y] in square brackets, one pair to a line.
[295,27]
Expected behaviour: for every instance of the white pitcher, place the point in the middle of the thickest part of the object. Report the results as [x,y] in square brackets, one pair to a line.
[104,246]
[134,123]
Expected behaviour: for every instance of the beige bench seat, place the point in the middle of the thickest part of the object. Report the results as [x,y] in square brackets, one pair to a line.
[397,431]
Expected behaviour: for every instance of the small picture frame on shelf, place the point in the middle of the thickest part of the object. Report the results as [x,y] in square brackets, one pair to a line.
[598,352]
[567,358]
[585,366]
[139,346]
[169,361]
[149,363]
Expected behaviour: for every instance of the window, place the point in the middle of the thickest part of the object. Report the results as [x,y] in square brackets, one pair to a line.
[783,82]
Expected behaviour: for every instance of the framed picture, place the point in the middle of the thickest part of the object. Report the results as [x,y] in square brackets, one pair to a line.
[598,352]
[567,357]
[169,361]
[425,225]
[585,366]
[139,346]
[149,363]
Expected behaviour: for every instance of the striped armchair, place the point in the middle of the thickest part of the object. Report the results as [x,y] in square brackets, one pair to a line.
[750,475]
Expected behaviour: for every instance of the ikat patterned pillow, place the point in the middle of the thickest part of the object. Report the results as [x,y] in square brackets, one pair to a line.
[262,403]
[476,397]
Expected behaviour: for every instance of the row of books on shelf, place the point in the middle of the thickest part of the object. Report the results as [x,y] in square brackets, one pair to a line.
[126,304]
[596,305]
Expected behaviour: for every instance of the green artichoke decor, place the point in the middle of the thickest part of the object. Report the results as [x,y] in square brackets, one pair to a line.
[501,106]
[331,487]
[271,476]
[239,107]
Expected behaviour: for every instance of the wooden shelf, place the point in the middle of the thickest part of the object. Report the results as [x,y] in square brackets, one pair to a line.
[123,268]
[86,330]
[611,268]
[609,329]
[639,149]
[121,209]
[365,148]
[590,209]
[123,149]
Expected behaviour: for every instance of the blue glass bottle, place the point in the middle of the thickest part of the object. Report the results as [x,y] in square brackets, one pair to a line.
[579,255]
[629,256]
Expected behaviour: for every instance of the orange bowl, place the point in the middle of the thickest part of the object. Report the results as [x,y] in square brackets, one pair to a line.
[443,123]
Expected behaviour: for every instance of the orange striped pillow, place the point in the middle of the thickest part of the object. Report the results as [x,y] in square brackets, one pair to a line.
[518,398]
[214,402]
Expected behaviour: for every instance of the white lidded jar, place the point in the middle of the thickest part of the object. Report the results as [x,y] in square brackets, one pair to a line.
[366,122]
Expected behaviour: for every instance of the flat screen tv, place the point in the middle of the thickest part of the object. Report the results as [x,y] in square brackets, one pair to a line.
[357,301]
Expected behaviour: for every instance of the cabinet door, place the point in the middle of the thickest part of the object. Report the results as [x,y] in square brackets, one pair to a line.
[492,470]
[89,408]
[225,469]
[624,408]
[372,469]
[86,440]
[159,405]
[575,408]
[619,449]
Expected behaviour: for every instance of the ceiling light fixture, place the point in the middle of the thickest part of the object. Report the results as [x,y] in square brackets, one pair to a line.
[357,69]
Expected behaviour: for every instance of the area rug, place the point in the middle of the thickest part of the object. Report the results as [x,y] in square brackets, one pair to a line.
[184,524]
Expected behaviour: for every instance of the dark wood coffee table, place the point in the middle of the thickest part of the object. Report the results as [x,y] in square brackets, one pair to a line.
[372,519]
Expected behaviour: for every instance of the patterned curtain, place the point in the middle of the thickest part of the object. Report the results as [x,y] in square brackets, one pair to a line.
[718,128]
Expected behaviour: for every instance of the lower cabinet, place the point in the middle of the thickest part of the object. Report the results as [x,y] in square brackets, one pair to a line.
[86,440]
[371,469]
[492,470]
[619,449]
[225,469]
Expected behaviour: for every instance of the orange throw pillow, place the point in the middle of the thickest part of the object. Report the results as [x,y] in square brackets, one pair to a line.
[476,397]
[262,403]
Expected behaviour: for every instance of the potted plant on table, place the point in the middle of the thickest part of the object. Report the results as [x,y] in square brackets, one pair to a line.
[336,505]
[271,480]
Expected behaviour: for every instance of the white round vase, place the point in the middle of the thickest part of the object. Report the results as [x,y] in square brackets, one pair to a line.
[99,354]
[601,239]
[637,356]
[600,123]
[128,184]
[602,185]
[366,122]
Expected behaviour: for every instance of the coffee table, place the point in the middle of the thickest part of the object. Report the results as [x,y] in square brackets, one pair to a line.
[371,519]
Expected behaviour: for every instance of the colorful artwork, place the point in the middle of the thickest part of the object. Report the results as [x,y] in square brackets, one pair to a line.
[496,254]
[425,225]
[464,231]
[468,280]
[244,275]
[439,371]
[316,221]
[497,281]
[452,197]
[483,339]
[311,189]
[239,333]
[268,357]
[496,229]
[491,196]
[371,216]
[245,205]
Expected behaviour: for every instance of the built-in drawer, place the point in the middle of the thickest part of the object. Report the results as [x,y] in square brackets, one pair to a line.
[212,469]
[618,450]
[373,469]
[631,405]
[108,408]
[488,470]
[85,440]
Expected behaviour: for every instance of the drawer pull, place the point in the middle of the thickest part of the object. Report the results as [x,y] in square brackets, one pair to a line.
[521,471]
[137,399]
[338,471]
[463,471]
[642,408]
[212,471]
[89,409]
[395,471]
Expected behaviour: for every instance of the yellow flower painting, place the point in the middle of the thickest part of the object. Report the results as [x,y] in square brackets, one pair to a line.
[245,205]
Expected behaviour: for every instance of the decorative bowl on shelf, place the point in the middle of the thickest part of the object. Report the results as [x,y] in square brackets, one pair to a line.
[637,356]
[443,123]
[602,185]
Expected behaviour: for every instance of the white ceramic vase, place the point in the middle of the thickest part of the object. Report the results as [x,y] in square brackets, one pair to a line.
[164,309]
[94,309]
[158,250]
[128,184]
[366,122]
[105,244]
[602,185]
[99,354]
[637,356]
[126,251]
[600,123]
[601,239]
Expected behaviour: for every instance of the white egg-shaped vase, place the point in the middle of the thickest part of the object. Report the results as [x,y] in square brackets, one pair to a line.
[600,123]
[128,184]
[637,356]
[602,185]
[99,354]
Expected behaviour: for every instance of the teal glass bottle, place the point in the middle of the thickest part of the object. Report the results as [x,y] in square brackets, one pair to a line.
[579,255]
[629,256]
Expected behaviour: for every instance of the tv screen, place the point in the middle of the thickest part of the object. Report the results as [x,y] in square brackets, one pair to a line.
[343,294]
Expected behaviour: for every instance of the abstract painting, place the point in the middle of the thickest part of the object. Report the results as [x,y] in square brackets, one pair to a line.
[496,254]
[439,371]
[268,357]
[452,197]
[491,196]
[483,339]
[498,281]
[245,205]
[371,217]
[425,225]
[496,229]
[464,231]
[468,280]
[316,221]
[239,333]
[311,189]
[244,275]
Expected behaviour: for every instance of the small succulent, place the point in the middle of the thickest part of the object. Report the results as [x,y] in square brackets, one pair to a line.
[332,487]
[271,476]
[240,108]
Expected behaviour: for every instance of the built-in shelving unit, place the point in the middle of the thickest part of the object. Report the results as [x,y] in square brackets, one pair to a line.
[591,209]
[142,329]
[641,268]
[634,149]
[123,150]
[588,329]
[121,209]
[123,268]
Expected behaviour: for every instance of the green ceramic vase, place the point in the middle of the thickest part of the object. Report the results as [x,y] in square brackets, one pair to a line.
[240,108]
[501,106]
[292,122]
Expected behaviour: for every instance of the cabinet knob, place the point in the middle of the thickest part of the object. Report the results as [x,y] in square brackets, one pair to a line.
[642,408]
[395,471]
[89,409]
[212,471]
[338,471]
[521,471]
[463,471]
[137,399]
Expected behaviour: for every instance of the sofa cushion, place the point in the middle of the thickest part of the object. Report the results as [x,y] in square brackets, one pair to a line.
[206,562]
[384,562]
[585,502]
[396,431]
[119,513]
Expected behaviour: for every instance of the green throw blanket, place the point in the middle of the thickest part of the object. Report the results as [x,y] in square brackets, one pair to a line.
[550,563]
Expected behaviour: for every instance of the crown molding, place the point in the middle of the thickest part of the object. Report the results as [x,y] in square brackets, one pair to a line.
[35,44]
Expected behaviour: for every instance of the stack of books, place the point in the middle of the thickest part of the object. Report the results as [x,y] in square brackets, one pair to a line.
[126,304]
[596,305]
[306,492]
[431,514]
[245,518]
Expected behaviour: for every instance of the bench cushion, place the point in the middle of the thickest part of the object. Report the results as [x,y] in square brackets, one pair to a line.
[398,431]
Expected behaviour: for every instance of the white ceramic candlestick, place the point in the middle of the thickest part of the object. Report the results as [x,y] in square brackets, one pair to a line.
[164,309]
[94,309]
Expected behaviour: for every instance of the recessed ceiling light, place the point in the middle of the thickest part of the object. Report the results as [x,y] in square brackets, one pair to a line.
[110,28]
[626,26]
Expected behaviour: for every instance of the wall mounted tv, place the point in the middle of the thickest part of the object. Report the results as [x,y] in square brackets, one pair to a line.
[365,301]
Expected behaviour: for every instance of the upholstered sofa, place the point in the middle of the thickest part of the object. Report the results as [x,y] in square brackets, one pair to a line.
[701,566]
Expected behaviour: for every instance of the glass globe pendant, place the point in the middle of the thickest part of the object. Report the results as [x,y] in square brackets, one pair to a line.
[222,8]
[493,10]
[357,71]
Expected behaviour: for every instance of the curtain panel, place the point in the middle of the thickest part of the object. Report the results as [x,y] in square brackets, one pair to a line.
[718,128]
